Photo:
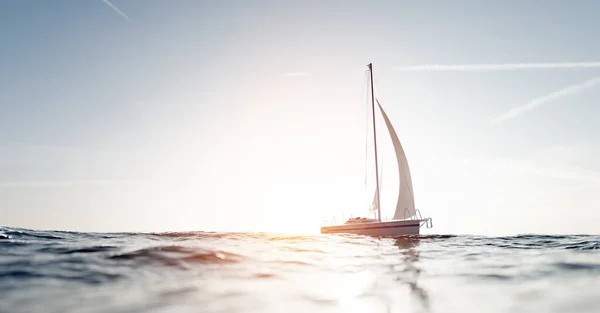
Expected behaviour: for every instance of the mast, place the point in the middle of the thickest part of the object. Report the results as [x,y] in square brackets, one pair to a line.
[375,143]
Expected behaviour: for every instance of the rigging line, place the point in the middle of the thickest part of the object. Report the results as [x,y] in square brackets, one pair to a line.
[365,111]
[376,86]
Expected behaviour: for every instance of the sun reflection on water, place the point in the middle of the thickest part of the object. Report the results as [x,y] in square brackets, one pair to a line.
[360,286]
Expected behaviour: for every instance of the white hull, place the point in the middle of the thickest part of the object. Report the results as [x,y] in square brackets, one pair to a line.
[388,228]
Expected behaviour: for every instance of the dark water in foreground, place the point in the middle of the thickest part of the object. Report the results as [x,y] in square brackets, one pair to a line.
[46,271]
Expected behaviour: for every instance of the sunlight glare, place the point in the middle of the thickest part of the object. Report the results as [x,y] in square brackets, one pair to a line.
[350,287]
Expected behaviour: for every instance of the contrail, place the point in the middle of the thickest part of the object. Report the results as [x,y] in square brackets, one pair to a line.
[117,10]
[573,89]
[497,67]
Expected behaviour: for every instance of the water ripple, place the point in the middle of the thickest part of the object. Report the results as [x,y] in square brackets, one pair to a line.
[46,271]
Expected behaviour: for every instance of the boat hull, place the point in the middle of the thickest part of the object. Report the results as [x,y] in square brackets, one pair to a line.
[389,228]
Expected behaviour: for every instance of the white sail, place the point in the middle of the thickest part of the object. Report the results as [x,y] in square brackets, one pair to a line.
[405,205]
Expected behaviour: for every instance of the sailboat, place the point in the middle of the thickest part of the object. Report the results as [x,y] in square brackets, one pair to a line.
[407,220]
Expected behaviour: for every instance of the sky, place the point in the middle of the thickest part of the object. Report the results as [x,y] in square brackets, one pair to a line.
[147,115]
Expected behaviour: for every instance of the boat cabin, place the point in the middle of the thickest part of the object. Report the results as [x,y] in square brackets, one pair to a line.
[357,220]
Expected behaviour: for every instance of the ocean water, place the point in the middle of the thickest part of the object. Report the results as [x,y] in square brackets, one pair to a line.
[53,271]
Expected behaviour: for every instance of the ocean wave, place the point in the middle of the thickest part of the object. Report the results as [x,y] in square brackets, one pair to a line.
[67,250]
[231,272]
[174,255]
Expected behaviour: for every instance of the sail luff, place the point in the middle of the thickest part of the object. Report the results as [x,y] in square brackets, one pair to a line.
[405,203]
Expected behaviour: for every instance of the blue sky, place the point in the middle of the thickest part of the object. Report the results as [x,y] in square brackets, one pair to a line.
[247,115]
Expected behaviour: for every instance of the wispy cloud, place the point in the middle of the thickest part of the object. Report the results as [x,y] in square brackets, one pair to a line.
[570,90]
[294,74]
[497,67]
[116,10]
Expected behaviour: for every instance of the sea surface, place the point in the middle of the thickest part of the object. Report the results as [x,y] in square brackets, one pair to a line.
[56,271]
